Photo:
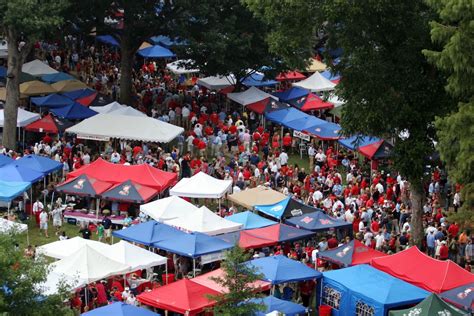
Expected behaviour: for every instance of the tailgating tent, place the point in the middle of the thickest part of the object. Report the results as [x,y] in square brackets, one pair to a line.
[32,88]
[432,305]
[130,191]
[37,68]
[49,124]
[326,131]
[286,115]
[3,94]
[204,221]
[249,96]
[95,99]
[77,94]
[168,208]
[57,281]
[257,196]
[52,101]
[83,185]
[366,290]
[108,39]
[436,276]
[350,254]
[201,185]
[41,164]
[462,297]
[318,221]
[208,280]
[74,111]
[168,41]
[156,51]
[106,126]
[334,99]
[330,76]
[370,147]
[245,239]
[65,248]
[290,75]
[89,265]
[286,208]
[184,297]
[258,80]
[127,111]
[68,85]
[7,226]
[143,174]
[10,190]
[303,123]
[148,233]
[291,94]
[17,173]
[24,117]
[311,102]
[272,303]
[60,76]
[136,257]
[216,82]
[120,309]
[180,67]
[316,83]
[111,107]
[250,220]
[280,233]
[4,160]
[281,269]
[315,66]
[267,105]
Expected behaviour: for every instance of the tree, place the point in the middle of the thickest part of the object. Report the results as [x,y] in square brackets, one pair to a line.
[454,30]
[24,22]
[20,278]
[237,278]
[390,89]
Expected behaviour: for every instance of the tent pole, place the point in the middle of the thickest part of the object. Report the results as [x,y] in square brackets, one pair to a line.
[97,201]
[281,138]
[194,267]
[31,199]
[8,209]
[166,270]
[44,195]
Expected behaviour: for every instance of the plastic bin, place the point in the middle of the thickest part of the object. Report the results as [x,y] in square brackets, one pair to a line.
[325,310]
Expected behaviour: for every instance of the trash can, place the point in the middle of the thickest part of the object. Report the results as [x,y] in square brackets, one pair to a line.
[325,310]
[168,280]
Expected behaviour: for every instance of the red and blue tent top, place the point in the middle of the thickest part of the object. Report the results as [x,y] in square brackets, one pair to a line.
[77,94]
[290,75]
[49,124]
[350,254]
[291,94]
[74,111]
[311,102]
[129,191]
[84,185]
[318,221]
[370,147]
[52,101]
[267,105]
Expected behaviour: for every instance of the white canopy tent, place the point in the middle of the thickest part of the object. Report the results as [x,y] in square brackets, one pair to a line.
[334,99]
[128,111]
[249,96]
[7,226]
[201,185]
[135,257]
[168,208]
[54,281]
[108,108]
[316,83]
[37,68]
[106,126]
[216,82]
[24,117]
[64,248]
[178,67]
[205,221]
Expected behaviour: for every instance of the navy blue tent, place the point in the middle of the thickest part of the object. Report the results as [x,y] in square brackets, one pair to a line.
[274,304]
[130,191]
[78,94]
[156,51]
[291,94]
[41,164]
[83,186]
[5,160]
[3,72]
[148,233]
[193,245]
[317,221]
[286,208]
[108,39]
[281,269]
[167,41]
[120,309]
[462,297]
[16,173]
[257,80]
[73,111]
[59,76]
[364,288]
[52,101]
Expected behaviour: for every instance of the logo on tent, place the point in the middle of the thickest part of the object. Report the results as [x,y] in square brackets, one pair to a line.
[296,212]
[307,219]
[325,222]
[344,252]
[360,249]
[276,208]
[125,190]
[80,184]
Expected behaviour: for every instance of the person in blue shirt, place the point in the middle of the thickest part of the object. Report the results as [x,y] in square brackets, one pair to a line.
[431,243]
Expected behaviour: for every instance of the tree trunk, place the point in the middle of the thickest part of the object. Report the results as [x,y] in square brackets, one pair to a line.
[126,64]
[416,199]
[13,91]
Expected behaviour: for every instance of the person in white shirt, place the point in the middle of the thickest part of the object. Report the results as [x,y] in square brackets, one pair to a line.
[283,158]
[37,208]
[368,238]
[44,222]
[379,241]
[379,187]
[348,216]
[86,158]
[317,197]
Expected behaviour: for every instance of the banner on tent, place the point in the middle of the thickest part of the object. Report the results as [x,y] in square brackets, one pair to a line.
[91,137]
[301,135]
[212,257]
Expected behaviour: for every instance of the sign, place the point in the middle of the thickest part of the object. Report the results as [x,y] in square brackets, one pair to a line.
[212,257]
[302,136]
[92,137]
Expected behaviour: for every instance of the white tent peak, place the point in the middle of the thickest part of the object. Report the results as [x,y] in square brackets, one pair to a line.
[37,68]
[168,208]
[108,108]
[316,83]
[24,117]
[63,248]
[179,67]
[249,96]
[201,185]
[137,258]
[217,82]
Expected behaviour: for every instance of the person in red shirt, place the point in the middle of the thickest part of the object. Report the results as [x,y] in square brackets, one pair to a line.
[287,142]
[375,226]
[332,242]
[453,229]
[443,251]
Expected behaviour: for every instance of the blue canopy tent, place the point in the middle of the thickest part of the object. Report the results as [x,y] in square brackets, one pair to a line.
[5,160]
[3,72]
[250,220]
[167,41]
[365,289]
[274,210]
[326,131]
[304,123]
[318,221]
[291,94]
[148,233]
[108,39]
[274,304]
[370,147]
[52,101]
[78,94]
[462,297]
[280,269]
[10,190]
[16,173]
[355,142]
[329,76]
[156,51]
[285,115]
[257,80]
[52,78]
[39,163]
[74,111]
[120,309]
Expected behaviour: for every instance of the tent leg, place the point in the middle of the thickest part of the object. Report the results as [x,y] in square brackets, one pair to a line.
[166,270]
[8,209]
[97,201]
[194,267]
[281,137]
[44,195]
[219,205]
[31,199]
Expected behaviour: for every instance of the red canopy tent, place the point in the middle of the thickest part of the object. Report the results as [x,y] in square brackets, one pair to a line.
[143,174]
[87,100]
[48,124]
[184,297]
[363,254]
[415,267]
[207,281]
[290,75]
[279,233]
[311,102]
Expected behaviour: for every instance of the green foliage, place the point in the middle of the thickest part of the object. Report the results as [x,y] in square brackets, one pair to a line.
[19,280]
[237,279]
